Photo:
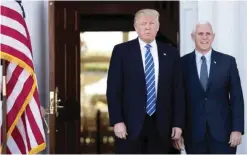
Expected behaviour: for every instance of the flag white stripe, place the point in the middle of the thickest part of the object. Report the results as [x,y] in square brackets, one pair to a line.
[6,40]
[20,127]
[14,149]
[11,5]
[36,115]
[33,142]
[17,89]
[9,22]
[10,70]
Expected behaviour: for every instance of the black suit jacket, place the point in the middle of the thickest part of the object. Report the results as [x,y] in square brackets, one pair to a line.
[221,106]
[126,89]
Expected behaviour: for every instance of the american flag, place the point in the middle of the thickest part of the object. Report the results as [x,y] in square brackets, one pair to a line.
[25,132]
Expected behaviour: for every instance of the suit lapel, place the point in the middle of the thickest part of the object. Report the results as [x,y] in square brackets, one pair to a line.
[137,60]
[163,59]
[194,72]
[213,69]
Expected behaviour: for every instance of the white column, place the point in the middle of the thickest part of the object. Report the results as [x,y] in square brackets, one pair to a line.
[229,22]
[188,18]
[205,10]
[226,27]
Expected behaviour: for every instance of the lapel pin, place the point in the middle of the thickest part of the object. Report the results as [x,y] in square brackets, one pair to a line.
[164,54]
[214,62]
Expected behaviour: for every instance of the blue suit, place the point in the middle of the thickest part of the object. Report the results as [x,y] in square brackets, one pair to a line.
[126,89]
[219,109]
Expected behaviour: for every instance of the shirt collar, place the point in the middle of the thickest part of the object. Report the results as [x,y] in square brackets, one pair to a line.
[143,44]
[207,56]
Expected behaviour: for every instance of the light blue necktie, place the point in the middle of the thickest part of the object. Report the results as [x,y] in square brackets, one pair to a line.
[150,81]
[204,73]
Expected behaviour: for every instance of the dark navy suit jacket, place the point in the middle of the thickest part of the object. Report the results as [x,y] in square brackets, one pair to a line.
[221,106]
[126,89]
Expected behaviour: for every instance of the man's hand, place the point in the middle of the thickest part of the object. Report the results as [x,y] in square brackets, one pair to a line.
[43,111]
[120,130]
[176,133]
[235,138]
[178,144]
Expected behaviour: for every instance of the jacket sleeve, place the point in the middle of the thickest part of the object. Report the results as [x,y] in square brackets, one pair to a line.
[178,94]
[114,87]
[236,98]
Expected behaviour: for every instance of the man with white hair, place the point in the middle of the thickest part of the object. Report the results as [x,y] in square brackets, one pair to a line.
[214,98]
[145,91]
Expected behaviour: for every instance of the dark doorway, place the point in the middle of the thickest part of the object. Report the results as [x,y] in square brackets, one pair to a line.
[71,20]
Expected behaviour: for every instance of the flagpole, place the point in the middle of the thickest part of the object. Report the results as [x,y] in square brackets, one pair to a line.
[4,108]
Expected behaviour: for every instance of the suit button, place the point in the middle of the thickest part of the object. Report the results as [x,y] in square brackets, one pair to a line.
[206,99]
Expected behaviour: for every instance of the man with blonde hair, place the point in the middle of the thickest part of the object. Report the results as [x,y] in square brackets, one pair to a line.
[214,98]
[144,90]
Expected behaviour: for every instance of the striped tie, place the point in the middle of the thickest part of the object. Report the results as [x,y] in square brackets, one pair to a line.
[150,81]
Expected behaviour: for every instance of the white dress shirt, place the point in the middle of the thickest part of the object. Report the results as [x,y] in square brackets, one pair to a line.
[154,52]
[199,61]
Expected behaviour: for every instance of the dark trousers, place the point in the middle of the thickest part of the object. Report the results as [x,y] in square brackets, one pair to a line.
[208,146]
[149,141]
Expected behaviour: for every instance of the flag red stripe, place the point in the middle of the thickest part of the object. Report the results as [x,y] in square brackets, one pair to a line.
[13,80]
[10,13]
[36,132]
[18,140]
[13,33]
[16,53]
[17,17]
[19,101]
[36,98]
[8,151]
